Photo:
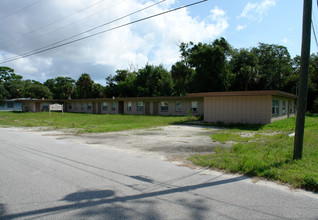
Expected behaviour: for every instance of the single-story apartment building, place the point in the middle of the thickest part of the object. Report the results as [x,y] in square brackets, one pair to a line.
[249,107]
[12,105]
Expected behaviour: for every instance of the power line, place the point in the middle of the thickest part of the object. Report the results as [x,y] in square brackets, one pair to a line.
[21,9]
[51,46]
[314,31]
[49,24]
[65,26]
[108,30]
[314,26]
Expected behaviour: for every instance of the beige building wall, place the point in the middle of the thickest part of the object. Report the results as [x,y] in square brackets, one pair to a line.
[238,109]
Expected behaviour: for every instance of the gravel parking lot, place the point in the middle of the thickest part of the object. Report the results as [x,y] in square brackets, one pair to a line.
[174,142]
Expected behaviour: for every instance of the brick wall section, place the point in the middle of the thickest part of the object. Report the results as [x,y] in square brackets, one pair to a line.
[238,109]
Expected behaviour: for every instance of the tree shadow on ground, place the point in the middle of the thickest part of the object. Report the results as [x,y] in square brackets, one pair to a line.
[89,200]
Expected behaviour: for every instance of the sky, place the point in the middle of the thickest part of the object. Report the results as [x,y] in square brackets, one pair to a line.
[31,25]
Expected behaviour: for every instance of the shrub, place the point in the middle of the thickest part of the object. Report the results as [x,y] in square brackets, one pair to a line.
[310,183]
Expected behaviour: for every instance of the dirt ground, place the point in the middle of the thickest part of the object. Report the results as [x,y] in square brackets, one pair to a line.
[173,143]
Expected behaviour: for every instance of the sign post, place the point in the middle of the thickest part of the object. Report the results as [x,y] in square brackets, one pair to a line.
[56,107]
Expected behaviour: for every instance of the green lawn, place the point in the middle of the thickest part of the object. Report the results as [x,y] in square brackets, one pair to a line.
[267,152]
[86,122]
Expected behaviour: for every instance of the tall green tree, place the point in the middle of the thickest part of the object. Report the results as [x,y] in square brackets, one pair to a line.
[111,89]
[15,88]
[122,84]
[61,87]
[84,86]
[211,64]
[37,91]
[274,64]
[3,94]
[291,81]
[153,81]
[7,74]
[11,84]
[65,87]
[182,75]
[98,91]
[245,70]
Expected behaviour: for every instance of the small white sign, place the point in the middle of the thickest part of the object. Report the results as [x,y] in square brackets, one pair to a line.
[56,107]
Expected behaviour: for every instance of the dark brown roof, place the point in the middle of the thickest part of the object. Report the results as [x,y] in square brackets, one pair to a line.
[244,93]
[190,96]
[160,98]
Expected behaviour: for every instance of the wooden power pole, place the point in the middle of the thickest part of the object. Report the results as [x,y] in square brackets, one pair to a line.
[303,81]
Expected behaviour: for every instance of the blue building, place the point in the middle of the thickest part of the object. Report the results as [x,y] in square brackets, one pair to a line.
[12,105]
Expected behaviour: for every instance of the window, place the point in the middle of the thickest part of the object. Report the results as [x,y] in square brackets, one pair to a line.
[70,106]
[128,106]
[75,105]
[284,108]
[89,106]
[275,107]
[82,106]
[113,106]
[140,106]
[178,106]
[105,106]
[291,107]
[194,106]
[45,106]
[10,104]
[164,106]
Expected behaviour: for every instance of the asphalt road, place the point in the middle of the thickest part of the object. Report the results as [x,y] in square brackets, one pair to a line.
[46,178]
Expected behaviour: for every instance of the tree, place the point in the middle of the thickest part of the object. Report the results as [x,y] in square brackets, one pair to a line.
[61,87]
[211,64]
[15,88]
[37,91]
[182,76]
[122,84]
[244,67]
[51,84]
[3,94]
[274,63]
[291,82]
[11,84]
[98,91]
[84,86]
[127,87]
[7,74]
[153,81]
[65,87]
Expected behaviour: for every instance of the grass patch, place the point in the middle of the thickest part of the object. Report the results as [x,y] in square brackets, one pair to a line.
[267,153]
[86,122]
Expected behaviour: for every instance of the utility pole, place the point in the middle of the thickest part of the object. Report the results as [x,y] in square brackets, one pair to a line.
[303,81]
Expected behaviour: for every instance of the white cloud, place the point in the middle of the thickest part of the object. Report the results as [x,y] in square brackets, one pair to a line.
[285,40]
[257,10]
[154,41]
[240,27]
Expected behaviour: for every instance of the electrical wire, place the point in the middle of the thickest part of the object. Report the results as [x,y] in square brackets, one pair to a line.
[108,30]
[63,27]
[19,10]
[58,42]
[313,25]
[49,24]
[314,31]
